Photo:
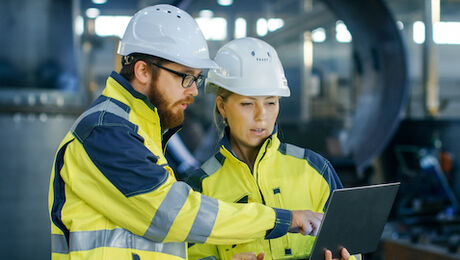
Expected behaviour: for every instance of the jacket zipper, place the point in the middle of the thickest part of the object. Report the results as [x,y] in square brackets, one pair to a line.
[256,177]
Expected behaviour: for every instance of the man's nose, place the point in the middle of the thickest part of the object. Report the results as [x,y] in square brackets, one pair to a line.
[192,90]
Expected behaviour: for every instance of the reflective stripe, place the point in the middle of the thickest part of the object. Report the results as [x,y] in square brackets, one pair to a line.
[204,220]
[59,244]
[211,166]
[358,257]
[119,238]
[209,258]
[167,212]
[108,106]
[295,151]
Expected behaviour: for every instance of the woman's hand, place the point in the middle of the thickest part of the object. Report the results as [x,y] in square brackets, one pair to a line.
[248,256]
[343,252]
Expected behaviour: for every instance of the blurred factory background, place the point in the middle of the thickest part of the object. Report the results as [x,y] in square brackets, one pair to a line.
[375,89]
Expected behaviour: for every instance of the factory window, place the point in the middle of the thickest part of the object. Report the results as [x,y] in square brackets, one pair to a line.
[318,35]
[106,25]
[443,32]
[274,24]
[341,32]
[213,28]
[79,25]
[240,28]
[418,32]
[447,33]
[264,26]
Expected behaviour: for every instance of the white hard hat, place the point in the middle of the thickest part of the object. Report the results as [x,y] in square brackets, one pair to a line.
[249,67]
[167,32]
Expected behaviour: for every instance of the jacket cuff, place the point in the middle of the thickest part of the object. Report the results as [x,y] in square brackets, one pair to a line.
[282,224]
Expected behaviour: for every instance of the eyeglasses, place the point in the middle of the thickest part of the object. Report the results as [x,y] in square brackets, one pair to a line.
[187,79]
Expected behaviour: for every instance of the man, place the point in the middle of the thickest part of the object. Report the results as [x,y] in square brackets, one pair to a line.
[112,194]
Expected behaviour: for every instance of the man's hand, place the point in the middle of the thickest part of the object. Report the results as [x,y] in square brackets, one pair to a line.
[343,252]
[248,256]
[306,222]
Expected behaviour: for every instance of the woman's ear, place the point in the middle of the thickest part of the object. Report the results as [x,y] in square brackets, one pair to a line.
[220,106]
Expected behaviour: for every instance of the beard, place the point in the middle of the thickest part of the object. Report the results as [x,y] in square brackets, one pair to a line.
[168,117]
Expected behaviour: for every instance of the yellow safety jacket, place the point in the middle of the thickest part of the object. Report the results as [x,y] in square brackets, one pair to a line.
[284,176]
[112,194]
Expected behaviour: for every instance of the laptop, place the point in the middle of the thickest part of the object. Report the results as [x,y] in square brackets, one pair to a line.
[354,219]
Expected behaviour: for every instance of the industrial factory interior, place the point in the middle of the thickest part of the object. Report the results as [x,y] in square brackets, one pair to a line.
[374,89]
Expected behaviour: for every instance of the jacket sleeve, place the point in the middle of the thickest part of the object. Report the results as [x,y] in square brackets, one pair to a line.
[333,182]
[113,171]
[203,251]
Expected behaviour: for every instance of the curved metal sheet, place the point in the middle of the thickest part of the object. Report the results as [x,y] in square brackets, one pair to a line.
[380,53]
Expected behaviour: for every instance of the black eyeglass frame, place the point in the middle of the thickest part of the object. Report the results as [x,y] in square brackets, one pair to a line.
[197,79]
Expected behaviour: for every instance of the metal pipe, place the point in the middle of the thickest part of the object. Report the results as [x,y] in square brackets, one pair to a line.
[430,63]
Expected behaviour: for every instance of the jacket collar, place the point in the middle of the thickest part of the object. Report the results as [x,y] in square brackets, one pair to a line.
[128,87]
[121,89]
[271,143]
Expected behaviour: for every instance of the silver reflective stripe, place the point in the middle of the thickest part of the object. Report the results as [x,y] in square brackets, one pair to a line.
[108,106]
[209,258]
[167,212]
[204,220]
[358,257]
[59,244]
[295,151]
[211,166]
[119,238]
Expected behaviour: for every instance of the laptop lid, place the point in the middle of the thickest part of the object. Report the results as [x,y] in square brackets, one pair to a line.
[354,219]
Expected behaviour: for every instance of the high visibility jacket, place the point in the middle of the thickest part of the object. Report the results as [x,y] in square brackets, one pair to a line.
[113,196]
[284,176]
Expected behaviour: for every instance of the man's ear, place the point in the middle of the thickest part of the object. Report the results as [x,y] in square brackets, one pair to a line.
[141,72]
[220,106]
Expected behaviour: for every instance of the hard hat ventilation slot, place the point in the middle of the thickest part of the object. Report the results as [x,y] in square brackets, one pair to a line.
[169,12]
[253,53]
[178,16]
[268,53]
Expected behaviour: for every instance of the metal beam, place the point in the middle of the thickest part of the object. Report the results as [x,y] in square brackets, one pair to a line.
[295,27]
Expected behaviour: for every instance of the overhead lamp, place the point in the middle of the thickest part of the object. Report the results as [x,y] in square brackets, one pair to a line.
[92,12]
[206,13]
[225,2]
[99,2]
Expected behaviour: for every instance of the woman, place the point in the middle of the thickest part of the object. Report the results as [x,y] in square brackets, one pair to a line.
[252,165]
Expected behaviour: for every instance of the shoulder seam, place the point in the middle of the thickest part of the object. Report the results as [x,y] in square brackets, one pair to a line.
[296,151]
[103,108]
[213,164]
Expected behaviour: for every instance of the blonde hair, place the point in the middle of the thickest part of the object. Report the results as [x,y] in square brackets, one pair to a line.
[219,121]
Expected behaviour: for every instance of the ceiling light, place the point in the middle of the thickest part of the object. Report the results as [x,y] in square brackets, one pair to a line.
[99,2]
[225,2]
[92,12]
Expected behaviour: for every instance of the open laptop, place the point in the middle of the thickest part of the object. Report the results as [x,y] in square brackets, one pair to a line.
[354,219]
